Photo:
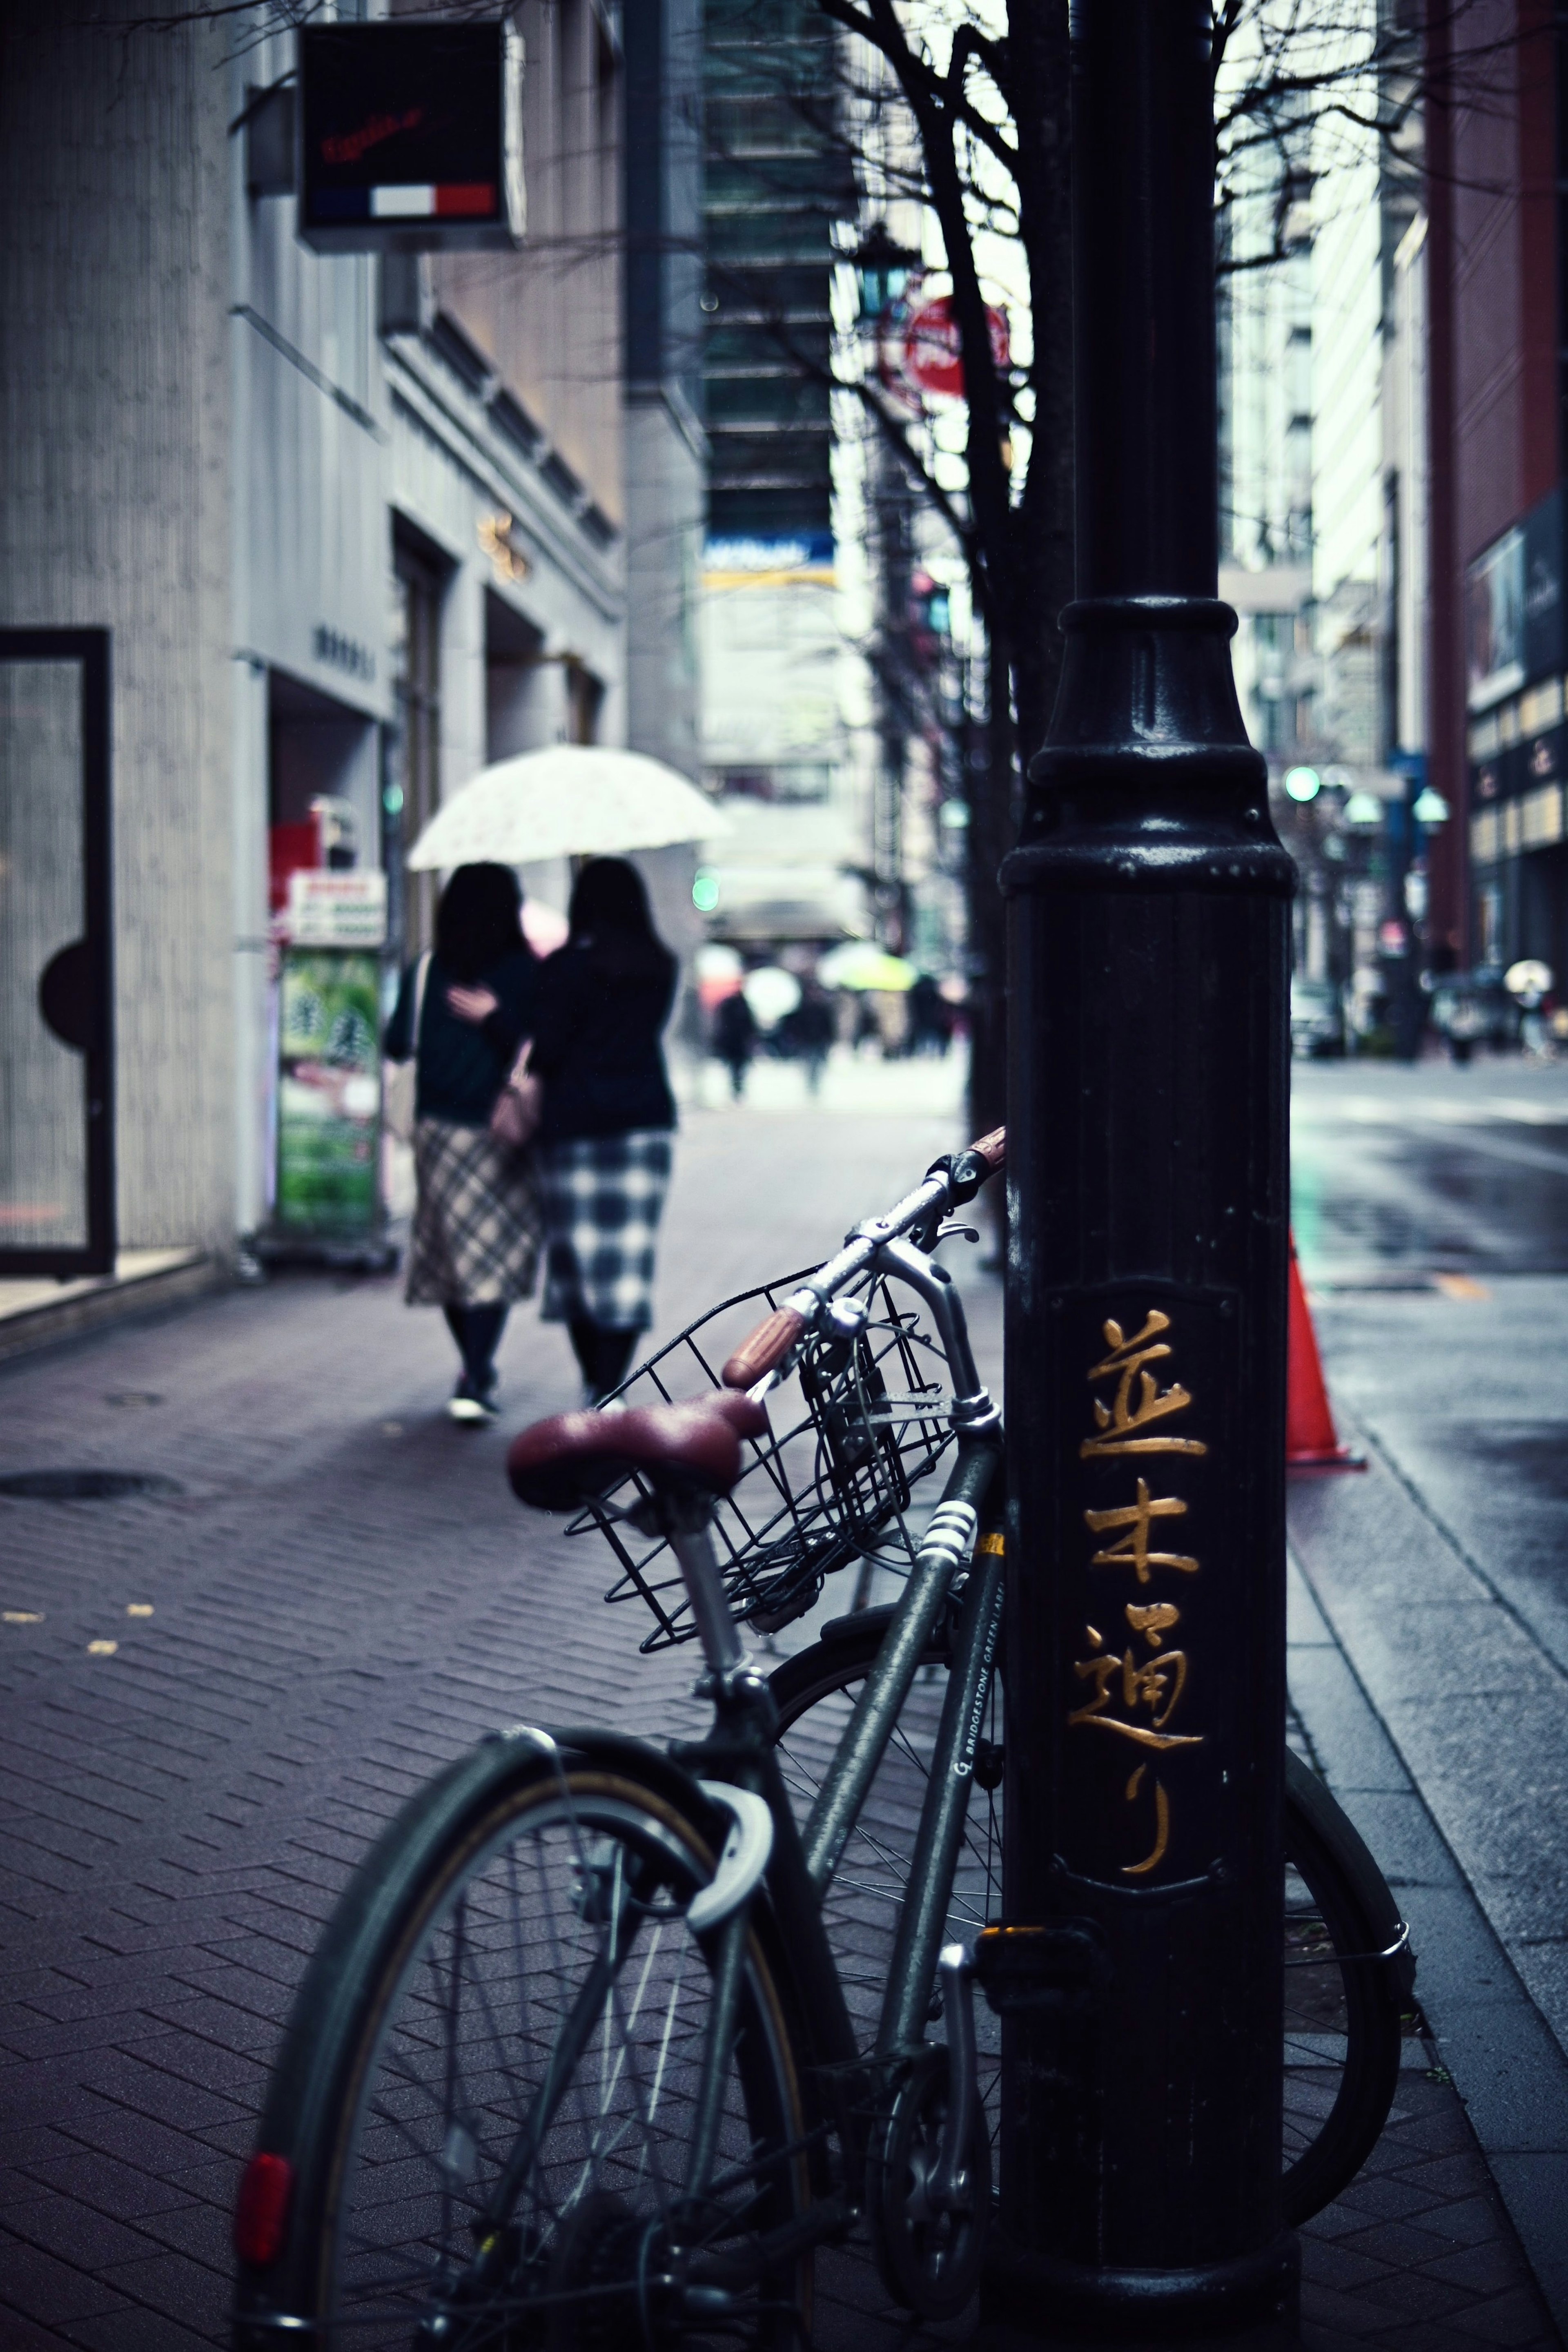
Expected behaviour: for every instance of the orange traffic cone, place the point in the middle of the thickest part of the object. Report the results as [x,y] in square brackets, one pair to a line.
[1311,1441]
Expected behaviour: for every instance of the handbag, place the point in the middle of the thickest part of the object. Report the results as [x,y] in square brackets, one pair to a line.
[400,1092]
[520,1105]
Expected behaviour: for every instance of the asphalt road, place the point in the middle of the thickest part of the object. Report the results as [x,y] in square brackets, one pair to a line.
[1431,1215]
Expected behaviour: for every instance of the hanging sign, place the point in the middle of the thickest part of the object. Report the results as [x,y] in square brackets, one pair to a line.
[411,136]
[923,354]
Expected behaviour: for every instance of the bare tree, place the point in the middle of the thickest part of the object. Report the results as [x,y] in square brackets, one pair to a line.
[1301,87]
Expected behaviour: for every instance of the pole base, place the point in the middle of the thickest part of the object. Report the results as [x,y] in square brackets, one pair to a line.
[1034,2298]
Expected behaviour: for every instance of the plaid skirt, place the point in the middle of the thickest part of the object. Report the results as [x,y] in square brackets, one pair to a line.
[603,1196]
[478,1223]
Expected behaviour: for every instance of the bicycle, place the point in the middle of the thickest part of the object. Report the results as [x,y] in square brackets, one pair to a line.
[575,2064]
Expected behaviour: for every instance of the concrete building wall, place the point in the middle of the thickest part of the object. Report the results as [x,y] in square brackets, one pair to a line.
[553,327]
[116,427]
[1347,418]
[1503,263]
[665,487]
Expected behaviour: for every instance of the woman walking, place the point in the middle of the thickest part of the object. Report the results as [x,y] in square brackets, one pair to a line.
[462,1014]
[604,1158]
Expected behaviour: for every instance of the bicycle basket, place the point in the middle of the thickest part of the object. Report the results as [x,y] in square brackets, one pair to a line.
[854,1429]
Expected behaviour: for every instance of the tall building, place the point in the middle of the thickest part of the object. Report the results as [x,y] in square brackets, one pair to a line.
[1496,249]
[1323,330]
[666,449]
[777,177]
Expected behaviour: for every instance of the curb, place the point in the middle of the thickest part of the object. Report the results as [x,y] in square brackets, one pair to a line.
[1510,2073]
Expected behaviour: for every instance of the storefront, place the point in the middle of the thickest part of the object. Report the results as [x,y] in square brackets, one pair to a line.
[1517,744]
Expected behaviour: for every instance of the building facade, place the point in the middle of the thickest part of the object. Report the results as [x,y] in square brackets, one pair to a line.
[1498,358]
[773,720]
[354,524]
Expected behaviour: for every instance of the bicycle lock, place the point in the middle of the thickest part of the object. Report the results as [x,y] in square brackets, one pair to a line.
[1138,1975]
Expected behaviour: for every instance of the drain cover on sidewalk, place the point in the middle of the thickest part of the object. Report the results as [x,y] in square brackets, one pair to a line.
[85,1486]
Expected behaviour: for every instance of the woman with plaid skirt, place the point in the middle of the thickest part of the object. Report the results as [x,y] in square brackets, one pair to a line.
[462,1014]
[604,1156]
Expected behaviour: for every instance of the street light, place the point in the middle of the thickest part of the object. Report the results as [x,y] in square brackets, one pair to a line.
[1430,809]
[1302,784]
[881,270]
[1149,1091]
[1363,808]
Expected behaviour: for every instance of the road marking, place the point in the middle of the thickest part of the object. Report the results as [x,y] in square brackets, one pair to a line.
[1535,1114]
[22,1616]
[1378,1110]
[1461,1285]
[101,1649]
[139,1609]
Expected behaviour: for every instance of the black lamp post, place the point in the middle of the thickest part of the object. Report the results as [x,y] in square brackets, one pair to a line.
[1147,1130]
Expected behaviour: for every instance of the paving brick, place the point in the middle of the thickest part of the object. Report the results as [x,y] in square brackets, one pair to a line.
[18,2334]
[131,2330]
[338,1614]
[64,2226]
[50,2291]
[128,2191]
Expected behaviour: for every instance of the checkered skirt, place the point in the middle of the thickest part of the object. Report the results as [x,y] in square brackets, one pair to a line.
[477,1223]
[603,1196]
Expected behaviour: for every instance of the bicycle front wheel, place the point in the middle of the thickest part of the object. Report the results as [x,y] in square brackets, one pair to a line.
[488,2093]
[1343,2001]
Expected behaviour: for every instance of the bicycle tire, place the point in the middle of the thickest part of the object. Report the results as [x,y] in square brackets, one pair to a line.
[434,2023]
[1345,2001]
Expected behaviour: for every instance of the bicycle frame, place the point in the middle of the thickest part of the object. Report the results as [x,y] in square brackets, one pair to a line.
[740,1750]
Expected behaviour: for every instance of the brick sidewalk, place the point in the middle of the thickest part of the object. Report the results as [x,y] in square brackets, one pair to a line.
[343,1596]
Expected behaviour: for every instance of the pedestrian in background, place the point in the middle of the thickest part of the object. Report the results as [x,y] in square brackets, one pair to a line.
[604,1140]
[814,1027]
[462,1014]
[735,1039]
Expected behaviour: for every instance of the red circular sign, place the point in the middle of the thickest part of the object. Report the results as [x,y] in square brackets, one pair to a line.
[932,350]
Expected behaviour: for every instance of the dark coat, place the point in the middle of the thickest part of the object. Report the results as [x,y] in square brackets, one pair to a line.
[602,1007]
[462,1068]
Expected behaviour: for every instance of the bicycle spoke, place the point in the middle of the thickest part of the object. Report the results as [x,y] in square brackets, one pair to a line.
[532,2105]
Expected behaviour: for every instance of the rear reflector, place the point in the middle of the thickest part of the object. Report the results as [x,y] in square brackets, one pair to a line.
[261,2215]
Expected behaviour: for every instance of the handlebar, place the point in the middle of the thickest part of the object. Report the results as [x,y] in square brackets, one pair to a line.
[948,1183]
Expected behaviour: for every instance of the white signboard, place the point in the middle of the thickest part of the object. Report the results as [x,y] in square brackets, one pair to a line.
[337,910]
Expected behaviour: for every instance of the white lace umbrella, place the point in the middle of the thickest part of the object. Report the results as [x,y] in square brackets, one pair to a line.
[574,800]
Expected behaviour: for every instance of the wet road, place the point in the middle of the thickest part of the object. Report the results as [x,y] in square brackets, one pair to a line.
[1431,1216]
[1401,1174]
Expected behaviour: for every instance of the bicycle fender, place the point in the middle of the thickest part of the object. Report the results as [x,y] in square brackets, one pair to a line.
[411,1846]
[746,1854]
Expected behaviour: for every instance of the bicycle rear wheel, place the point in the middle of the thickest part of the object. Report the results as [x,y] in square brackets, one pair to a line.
[1343,2003]
[487,2091]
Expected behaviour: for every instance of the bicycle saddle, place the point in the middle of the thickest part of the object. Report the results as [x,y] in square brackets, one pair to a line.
[569,1460]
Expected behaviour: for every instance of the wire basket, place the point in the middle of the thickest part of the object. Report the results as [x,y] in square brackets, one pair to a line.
[857,1424]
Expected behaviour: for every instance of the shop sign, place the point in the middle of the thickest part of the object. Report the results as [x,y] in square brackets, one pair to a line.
[411,136]
[770,560]
[1494,621]
[328,1093]
[336,910]
[1543,646]
[1513,607]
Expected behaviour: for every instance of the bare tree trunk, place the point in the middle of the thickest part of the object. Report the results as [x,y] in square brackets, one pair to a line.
[990,836]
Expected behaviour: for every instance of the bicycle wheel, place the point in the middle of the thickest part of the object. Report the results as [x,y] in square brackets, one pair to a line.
[487,2095]
[1342,2003]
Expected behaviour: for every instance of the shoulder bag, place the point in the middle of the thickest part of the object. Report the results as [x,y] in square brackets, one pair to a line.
[520,1105]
